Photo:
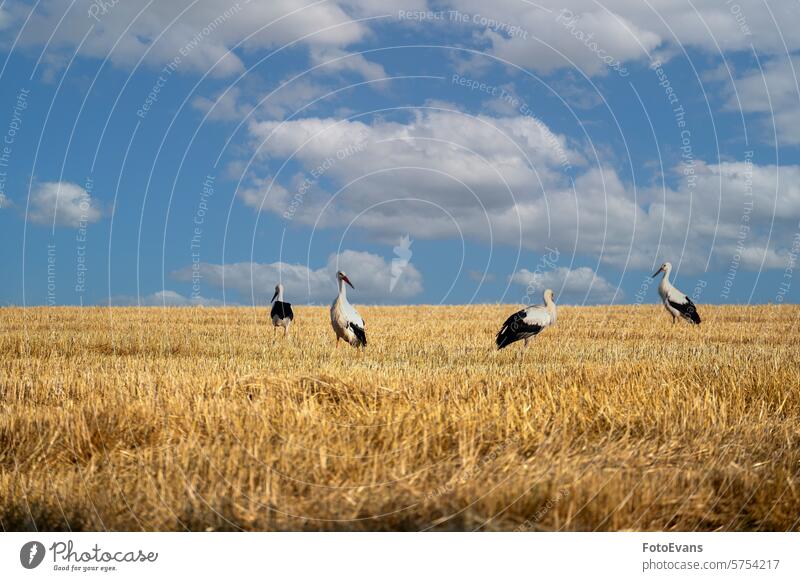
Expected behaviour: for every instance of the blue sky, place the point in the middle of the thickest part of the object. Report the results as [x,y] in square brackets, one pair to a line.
[455,152]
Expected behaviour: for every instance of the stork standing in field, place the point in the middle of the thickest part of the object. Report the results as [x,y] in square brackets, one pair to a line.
[281,314]
[346,322]
[676,303]
[528,322]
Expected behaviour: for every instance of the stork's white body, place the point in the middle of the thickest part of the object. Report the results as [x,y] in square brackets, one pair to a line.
[528,322]
[281,322]
[667,291]
[677,304]
[345,320]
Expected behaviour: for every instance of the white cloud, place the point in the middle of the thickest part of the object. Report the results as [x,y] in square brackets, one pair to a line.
[263,195]
[164,298]
[466,171]
[200,36]
[498,179]
[361,8]
[291,97]
[617,39]
[743,209]
[616,29]
[753,254]
[470,179]
[627,31]
[288,98]
[62,204]
[226,106]
[369,273]
[580,284]
[334,59]
[733,211]
[4,201]
[773,94]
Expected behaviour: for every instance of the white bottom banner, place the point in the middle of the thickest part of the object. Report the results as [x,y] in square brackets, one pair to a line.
[353,556]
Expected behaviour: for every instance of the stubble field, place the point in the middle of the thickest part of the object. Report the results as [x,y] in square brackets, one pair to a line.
[203,419]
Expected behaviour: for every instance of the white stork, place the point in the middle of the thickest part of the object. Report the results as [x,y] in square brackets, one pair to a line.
[528,322]
[281,314]
[346,322]
[676,303]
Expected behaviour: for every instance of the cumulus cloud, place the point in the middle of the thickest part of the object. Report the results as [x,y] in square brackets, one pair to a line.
[617,30]
[289,97]
[163,298]
[581,284]
[370,274]
[502,180]
[334,59]
[624,31]
[438,174]
[199,33]
[772,93]
[264,194]
[62,204]
[741,211]
[444,174]
[225,106]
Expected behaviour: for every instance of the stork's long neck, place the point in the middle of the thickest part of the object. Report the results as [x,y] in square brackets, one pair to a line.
[551,306]
[665,281]
[280,295]
[342,290]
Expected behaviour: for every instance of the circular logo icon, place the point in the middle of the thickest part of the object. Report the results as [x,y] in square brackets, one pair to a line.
[31,554]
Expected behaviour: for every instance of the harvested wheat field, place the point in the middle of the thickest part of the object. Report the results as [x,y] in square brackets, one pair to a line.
[203,419]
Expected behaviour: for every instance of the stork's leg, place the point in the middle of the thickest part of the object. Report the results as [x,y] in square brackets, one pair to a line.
[526,342]
[337,341]
[285,331]
[674,319]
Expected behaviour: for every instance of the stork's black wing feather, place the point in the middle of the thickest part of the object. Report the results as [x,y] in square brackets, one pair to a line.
[359,333]
[516,328]
[687,310]
[282,311]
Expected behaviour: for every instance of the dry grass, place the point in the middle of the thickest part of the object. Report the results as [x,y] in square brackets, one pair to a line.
[173,419]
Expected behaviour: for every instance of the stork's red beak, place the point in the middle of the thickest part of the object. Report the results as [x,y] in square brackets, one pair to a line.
[347,280]
[655,274]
